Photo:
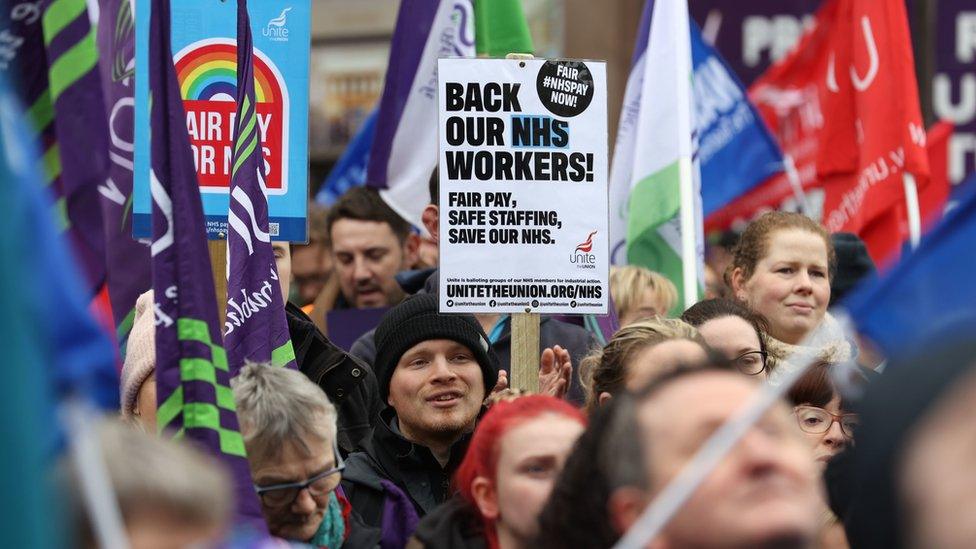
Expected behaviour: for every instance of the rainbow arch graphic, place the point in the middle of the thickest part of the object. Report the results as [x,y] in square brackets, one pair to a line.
[207,70]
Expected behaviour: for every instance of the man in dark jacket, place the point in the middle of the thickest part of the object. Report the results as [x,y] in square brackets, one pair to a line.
[349,383]
[575,339]
[434,372]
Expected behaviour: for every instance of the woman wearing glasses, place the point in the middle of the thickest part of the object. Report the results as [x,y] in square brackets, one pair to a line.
[829,426]
[289,430]
[733,330]
[821,413]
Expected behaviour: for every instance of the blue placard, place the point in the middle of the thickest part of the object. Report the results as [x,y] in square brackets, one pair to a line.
[204,53]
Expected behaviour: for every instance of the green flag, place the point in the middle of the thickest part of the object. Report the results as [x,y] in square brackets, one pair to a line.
[501,28]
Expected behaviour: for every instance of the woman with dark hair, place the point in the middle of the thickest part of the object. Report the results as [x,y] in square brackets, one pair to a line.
[515,454]
[733,330]
[821,412]
[828,425]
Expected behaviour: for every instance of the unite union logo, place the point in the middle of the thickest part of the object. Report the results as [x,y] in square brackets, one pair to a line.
[581,256]
[276,30]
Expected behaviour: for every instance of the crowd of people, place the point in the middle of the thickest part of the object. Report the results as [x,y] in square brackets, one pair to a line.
[414,439]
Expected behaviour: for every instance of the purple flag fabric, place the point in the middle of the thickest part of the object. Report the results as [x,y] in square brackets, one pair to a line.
[55,59]
[126,260]
[256,329]
[80,127]
[192,376]
[404,148]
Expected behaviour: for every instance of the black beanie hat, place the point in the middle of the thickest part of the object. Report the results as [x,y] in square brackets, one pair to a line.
[853,265]
[416,320]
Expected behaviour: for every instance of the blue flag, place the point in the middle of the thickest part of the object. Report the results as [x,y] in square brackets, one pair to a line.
[192,375]
[735,149]
[256,329]
[930,295]
[350,170]
[52,346]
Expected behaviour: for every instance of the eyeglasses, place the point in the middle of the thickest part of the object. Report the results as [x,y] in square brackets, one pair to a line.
[280,495]
[751,362]
[818,421]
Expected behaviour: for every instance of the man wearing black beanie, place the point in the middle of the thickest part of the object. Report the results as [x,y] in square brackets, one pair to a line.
[434,372]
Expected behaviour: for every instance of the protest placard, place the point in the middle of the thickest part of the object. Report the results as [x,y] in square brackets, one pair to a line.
[523,186]
[204,52]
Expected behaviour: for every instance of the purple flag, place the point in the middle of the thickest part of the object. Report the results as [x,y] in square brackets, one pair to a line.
[55,57]
[256,328]
[192,376]
[404,149]
[126,260]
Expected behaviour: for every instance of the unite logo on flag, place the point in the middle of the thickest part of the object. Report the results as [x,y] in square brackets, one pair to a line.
[207,73]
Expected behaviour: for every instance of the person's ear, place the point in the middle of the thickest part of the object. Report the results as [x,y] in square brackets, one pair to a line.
[624,507]
[411,251]
[738,280]
[604,398]
[483,491]
[431,219]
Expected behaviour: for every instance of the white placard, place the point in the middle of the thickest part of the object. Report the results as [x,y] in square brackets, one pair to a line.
[523,186]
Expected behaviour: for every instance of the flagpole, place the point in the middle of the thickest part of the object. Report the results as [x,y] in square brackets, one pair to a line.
[911,205]
[689,252]
[796,185]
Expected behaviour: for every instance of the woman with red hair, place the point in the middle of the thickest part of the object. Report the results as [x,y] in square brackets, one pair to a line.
[516,452]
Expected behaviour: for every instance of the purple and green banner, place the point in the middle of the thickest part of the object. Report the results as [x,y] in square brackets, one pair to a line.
[127,269]
[192,373]
[256,329]
[48,47]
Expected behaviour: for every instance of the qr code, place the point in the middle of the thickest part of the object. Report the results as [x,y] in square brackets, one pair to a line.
[273,229]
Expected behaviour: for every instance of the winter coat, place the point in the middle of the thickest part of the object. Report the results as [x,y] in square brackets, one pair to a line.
[386,456]
[826,344]
[350,384]
[453,525]
[571,337]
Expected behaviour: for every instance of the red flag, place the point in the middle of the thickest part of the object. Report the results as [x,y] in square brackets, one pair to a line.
[844,105]
[932,198]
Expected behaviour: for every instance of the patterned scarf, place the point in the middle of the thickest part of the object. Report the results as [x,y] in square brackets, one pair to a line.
[334,530]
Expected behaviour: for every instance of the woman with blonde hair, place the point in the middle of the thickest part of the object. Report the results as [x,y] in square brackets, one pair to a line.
[781,269]
[636,354]
[640,294]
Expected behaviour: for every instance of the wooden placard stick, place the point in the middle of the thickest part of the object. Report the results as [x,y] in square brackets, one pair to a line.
[525,352]
[218,264]
[525,332]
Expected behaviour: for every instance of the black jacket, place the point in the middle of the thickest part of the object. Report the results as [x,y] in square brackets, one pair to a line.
[571,337]
[453,525]
[349,383]
[387,455]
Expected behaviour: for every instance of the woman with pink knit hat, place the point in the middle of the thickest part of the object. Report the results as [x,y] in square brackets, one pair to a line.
[138,386]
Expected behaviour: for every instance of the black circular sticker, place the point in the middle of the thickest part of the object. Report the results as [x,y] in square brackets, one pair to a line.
[565,87]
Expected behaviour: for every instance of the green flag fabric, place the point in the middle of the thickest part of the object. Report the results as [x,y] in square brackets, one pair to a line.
[501,28]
